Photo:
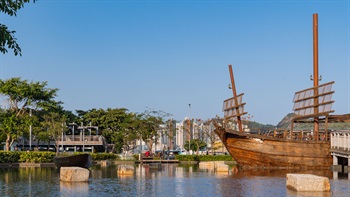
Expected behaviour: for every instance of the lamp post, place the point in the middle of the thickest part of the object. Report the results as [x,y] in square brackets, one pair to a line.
[82,125]
[171,143]
[189,128]
[61,139]
[30,130]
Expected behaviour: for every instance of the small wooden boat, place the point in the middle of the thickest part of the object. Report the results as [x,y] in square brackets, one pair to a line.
[81,160]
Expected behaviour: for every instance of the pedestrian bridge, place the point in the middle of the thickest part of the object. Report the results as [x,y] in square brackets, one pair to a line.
[340,143]
[340,150]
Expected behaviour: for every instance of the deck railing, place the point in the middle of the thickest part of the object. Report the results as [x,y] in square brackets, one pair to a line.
[295,135]
[80,138]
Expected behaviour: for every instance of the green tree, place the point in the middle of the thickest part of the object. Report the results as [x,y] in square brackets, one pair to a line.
[121,128]
[195,145]
[148,130]
[40,134]
[208,131]
[116,125]
[148,126]
[7,38]
[21,96]
[54,124]
[11,126]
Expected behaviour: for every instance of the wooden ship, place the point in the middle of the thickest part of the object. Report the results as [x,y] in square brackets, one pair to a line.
[284,148]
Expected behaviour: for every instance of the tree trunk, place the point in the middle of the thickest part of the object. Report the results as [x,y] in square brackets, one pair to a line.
[8,139]
[12,140]
[57,147]
[212,148]
[37,145]
[150,145]
[197,148]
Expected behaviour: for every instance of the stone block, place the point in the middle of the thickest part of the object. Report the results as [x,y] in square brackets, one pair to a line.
[74,174]
[125,170]
[307,182]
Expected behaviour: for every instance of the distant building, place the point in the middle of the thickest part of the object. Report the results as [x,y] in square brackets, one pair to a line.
[82,139]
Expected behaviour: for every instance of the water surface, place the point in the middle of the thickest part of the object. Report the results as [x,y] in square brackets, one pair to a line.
[169,180]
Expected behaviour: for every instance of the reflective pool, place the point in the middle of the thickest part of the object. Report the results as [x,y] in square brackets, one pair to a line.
[169,180]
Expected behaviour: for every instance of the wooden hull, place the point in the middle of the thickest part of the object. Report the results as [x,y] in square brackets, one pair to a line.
[81,160]
[256,151]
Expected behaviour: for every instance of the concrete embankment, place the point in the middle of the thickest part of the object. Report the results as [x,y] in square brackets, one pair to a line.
[102,163]
[20,165]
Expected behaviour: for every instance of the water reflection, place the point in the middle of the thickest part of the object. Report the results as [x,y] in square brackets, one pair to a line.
[308,194]
[165,180]
[69,189]
[26,181]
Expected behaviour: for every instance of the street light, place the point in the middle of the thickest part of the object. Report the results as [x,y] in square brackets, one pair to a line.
[30,130]
[189,128]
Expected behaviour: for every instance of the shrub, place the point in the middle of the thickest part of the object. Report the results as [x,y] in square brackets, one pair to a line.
[104,156]
[203,157]
[95,156]
[36,157]
[187,157]
[46,157]
[9,156]
[136,156]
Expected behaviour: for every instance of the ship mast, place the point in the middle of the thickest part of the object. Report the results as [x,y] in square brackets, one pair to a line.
[315,73]
[235,98]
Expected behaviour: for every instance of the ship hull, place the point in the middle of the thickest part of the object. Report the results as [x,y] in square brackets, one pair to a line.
[256,151]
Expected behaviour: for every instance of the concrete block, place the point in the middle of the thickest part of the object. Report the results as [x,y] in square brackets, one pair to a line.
[207,165]
[222,168]
[105,163]
[307,182]
[125,170]
[337,168]
[74,174]
[216,163]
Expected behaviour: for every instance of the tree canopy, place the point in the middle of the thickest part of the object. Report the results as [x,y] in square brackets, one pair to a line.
[195,145]
[54,124]
[116,125]
[21,96]
[7,38]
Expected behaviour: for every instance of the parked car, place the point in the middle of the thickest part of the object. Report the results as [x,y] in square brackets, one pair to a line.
[169,155]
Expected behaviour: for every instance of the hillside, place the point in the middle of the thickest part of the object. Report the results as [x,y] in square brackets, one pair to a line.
[253,124]
[285,123]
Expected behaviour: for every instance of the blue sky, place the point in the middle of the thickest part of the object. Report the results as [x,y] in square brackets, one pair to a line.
[165,55]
